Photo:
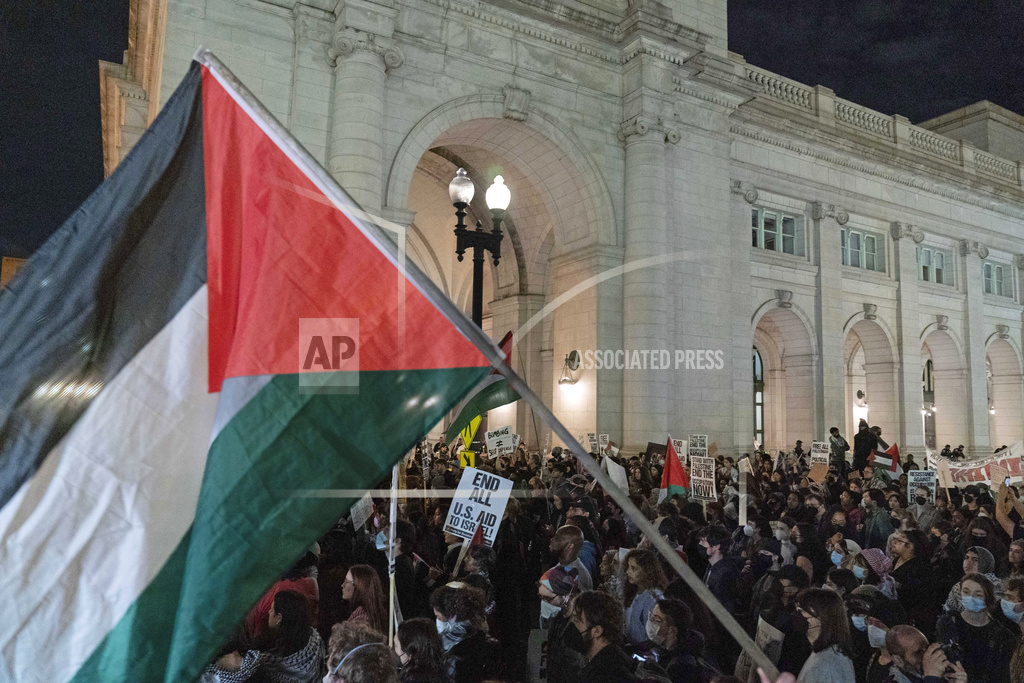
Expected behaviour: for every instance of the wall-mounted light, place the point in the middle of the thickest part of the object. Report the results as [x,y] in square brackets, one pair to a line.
[992,410]
[570,369]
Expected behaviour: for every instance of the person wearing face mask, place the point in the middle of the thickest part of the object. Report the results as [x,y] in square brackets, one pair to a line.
[971,502]
[922,508]
[976,560]
[829,635]
[782,533]
[912,574]
[859,602]
[816,509]
[981,531]
[676,647]
[984,645]
[842,551]
[872,567]
[471,655]
[645,585]
[842,582]
[884,615]
[1011,605]
[946,561]
[722,573]
[420,653]
[598,618]
[915,661]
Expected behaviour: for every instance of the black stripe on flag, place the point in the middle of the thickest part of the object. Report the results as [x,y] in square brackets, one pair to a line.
[102,286]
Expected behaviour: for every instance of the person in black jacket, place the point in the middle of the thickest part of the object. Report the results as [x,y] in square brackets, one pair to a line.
[723,573]
[864,444]
[471,654]
[677,648]
[598,618]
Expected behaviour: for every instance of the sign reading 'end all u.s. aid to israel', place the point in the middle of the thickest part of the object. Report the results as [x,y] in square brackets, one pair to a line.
[480,500]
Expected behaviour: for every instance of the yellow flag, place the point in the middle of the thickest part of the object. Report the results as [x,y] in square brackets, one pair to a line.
[467,459]
[470,431]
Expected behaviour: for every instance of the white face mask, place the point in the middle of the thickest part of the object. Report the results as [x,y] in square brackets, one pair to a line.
[442,626]
[876,636]
[1007,607]
[748,530]
[781,535]
[652,631]
[547,610]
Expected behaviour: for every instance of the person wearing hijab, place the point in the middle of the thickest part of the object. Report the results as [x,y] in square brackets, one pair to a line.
[872,567]
[977,560]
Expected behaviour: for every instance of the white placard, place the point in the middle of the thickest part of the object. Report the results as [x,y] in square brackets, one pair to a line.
[922,479]
[537,655]
[603,440]
[697,446]
[361,511]
[501,441]
[702,477]
[479,500]
[819,453]
[592,441]
[997,475]
[680,446]
[617,473]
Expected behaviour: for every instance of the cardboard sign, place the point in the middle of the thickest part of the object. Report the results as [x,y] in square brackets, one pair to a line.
[819,453]
[927,479]
[702,477]
[537,655]
[769,639]
[361,511]
[655,449]
[501,441]
[697,446]
[997,476]
[467,459]
[817,473]
[945,477]
[603,440]
[479,500]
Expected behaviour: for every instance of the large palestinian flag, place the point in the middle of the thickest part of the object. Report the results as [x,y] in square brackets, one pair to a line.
[208,334]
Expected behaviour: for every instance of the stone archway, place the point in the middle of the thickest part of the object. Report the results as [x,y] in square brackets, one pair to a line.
[948,374]
[870,364]
[787,352]
[1006,401]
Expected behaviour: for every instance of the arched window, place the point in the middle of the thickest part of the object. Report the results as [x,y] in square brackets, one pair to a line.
[758,397]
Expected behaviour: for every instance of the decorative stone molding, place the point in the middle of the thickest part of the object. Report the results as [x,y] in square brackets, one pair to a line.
[972,247]
[640,125]
[748,191]
[1018,260]
[784,298]
[349,41]
[1003,331]
[517,101]
[941,322]
[900,230]
[870,311]
[820,211]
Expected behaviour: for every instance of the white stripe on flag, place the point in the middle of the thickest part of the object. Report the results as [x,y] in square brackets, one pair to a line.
[83,537]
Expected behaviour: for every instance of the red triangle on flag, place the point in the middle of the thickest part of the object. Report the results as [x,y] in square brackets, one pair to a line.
[478,536]
[894,451]
[673,474]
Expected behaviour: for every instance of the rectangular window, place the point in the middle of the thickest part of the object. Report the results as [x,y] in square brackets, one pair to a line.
[775,231]
[931,266]
[998,280]
[862,250]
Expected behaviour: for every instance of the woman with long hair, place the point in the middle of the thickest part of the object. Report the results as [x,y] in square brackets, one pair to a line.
[645,585]
[294,651]
[828,632]
[420,653]
[362,589]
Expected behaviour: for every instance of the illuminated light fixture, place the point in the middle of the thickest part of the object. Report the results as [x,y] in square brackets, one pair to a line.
[923,412]
[570,369]
[992,410]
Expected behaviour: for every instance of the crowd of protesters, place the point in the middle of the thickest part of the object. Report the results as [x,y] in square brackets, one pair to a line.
[851,578]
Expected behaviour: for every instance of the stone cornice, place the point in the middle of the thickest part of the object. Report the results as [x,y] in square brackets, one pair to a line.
[898,230]
[908,179]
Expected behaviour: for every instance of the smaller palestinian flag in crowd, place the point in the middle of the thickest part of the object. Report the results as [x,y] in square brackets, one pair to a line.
[674,479]
[888,460]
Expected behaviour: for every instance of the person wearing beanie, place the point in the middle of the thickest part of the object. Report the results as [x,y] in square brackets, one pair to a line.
[882,616]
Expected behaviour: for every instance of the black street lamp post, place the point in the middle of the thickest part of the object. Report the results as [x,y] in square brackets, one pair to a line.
[461,191]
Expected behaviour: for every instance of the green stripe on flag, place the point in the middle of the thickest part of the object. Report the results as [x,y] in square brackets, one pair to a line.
[249,527]
[488,398]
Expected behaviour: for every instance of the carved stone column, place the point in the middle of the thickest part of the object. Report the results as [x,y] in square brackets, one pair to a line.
[828,300]
[908,375]
[312,77]
[362,53]
[645,300]
[973,253]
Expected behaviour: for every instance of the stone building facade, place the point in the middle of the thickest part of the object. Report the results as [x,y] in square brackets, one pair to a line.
[832,260]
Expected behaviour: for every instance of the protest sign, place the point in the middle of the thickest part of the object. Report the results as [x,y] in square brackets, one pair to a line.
[603,440]
[501,441]
[537,655]
[997,476]
[945,477]
[769,639]
[697,445]
[818,472]
[617,473]
[479,500]
[467,459]
[702,477]
[926,479]
[680,446]
[592,441]
[819,453]
[654,450]
[362,510]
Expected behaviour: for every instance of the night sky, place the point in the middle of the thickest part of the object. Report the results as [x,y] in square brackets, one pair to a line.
[918,58]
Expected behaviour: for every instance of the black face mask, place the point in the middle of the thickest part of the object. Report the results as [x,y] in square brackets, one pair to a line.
[968,498]
[920,500]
